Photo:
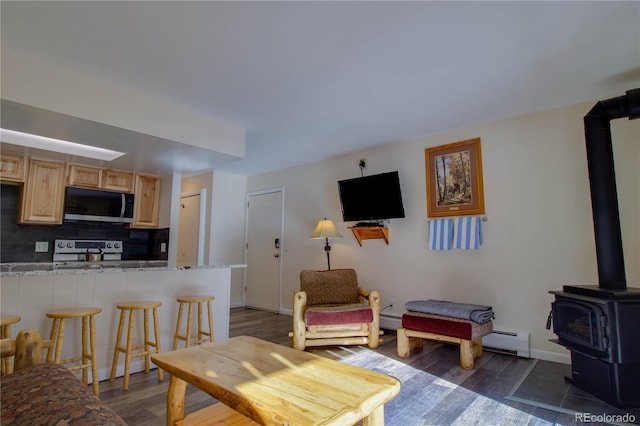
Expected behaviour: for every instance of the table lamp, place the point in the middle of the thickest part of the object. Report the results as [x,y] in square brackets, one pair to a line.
[326,229]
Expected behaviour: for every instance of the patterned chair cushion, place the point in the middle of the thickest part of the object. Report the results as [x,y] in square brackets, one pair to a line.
[334,287]
[49,394]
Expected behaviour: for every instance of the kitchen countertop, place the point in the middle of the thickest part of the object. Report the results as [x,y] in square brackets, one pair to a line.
[54,268]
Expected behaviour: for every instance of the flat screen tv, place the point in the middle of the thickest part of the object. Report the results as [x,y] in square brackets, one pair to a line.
[371,199]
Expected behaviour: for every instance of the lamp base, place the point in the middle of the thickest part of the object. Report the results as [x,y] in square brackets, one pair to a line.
[327,249]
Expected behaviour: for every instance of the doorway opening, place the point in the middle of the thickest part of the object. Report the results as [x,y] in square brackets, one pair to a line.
[191,228]
[264,227]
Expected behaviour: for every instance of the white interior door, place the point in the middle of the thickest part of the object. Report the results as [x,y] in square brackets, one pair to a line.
[190,230]
[263,250]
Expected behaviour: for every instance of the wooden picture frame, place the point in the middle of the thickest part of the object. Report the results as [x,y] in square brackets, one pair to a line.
[454,179]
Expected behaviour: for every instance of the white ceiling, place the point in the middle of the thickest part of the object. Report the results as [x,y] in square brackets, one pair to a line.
[309,80]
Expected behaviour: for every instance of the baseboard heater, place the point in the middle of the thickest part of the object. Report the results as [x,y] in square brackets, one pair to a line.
[515,343]
[390,322]
[508,341]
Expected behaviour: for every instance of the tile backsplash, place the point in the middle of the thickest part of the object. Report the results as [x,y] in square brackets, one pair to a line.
[17,242]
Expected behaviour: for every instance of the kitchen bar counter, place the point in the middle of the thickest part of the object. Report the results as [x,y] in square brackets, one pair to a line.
[30,290]
[51,268]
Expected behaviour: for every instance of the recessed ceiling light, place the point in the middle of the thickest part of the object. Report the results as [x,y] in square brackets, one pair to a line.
[58,145]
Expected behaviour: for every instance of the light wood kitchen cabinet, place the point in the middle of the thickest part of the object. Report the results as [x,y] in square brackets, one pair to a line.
[12,168]
[86,177]
[113,180]
[93,177]
[146,203]
[43,193]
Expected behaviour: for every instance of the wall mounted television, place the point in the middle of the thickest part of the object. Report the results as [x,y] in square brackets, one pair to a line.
[370,200]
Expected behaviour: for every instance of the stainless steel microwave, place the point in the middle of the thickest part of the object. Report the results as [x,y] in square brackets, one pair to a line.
[98,206]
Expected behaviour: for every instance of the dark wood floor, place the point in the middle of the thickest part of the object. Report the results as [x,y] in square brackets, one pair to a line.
[495,374]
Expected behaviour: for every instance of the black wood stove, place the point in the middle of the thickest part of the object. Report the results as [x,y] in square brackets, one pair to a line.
[600,324]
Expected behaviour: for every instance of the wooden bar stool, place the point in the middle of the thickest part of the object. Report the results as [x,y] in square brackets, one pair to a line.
[88,358]
[142,350]
[201,334]
[5,333]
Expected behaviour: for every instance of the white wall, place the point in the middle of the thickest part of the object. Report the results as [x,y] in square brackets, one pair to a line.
[227,228]
[194,184]
[539,233]
[224,223]
[169,215]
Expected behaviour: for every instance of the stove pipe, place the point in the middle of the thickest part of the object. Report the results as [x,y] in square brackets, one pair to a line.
[602,182]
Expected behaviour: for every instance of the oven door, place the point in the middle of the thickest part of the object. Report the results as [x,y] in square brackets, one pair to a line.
[581,326]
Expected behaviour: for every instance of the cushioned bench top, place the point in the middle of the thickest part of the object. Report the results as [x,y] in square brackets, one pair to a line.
[446,326]
[49,394]
[355,313]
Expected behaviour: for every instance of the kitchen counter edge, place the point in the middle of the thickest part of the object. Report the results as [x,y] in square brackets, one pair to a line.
[33,269]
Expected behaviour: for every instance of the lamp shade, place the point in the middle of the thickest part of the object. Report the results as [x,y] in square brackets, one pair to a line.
[325,229]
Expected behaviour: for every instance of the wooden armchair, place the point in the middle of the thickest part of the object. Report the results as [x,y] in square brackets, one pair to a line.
[26,349]
[330,309]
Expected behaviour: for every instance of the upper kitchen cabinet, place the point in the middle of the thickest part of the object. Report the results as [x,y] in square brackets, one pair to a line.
[43,194]
[86,177]
[91,177]
[146,202]
[113,180]
[12,168]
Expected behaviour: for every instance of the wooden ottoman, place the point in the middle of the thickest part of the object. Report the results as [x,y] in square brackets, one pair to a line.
[468,334]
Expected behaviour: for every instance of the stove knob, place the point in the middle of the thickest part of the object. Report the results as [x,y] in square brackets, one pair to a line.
[70,244]
[116,245]
[61,244]
[109,245]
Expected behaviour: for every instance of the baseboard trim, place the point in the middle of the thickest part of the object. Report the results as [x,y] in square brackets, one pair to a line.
[104,373]
[551,356]
[282,311]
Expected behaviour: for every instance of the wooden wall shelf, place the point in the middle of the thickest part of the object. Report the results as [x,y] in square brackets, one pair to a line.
[370,233]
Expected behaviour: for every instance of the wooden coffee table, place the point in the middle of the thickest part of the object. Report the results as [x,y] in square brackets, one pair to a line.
[274,384]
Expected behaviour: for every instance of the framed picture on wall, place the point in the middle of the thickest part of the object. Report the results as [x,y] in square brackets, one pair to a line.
[454,179]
